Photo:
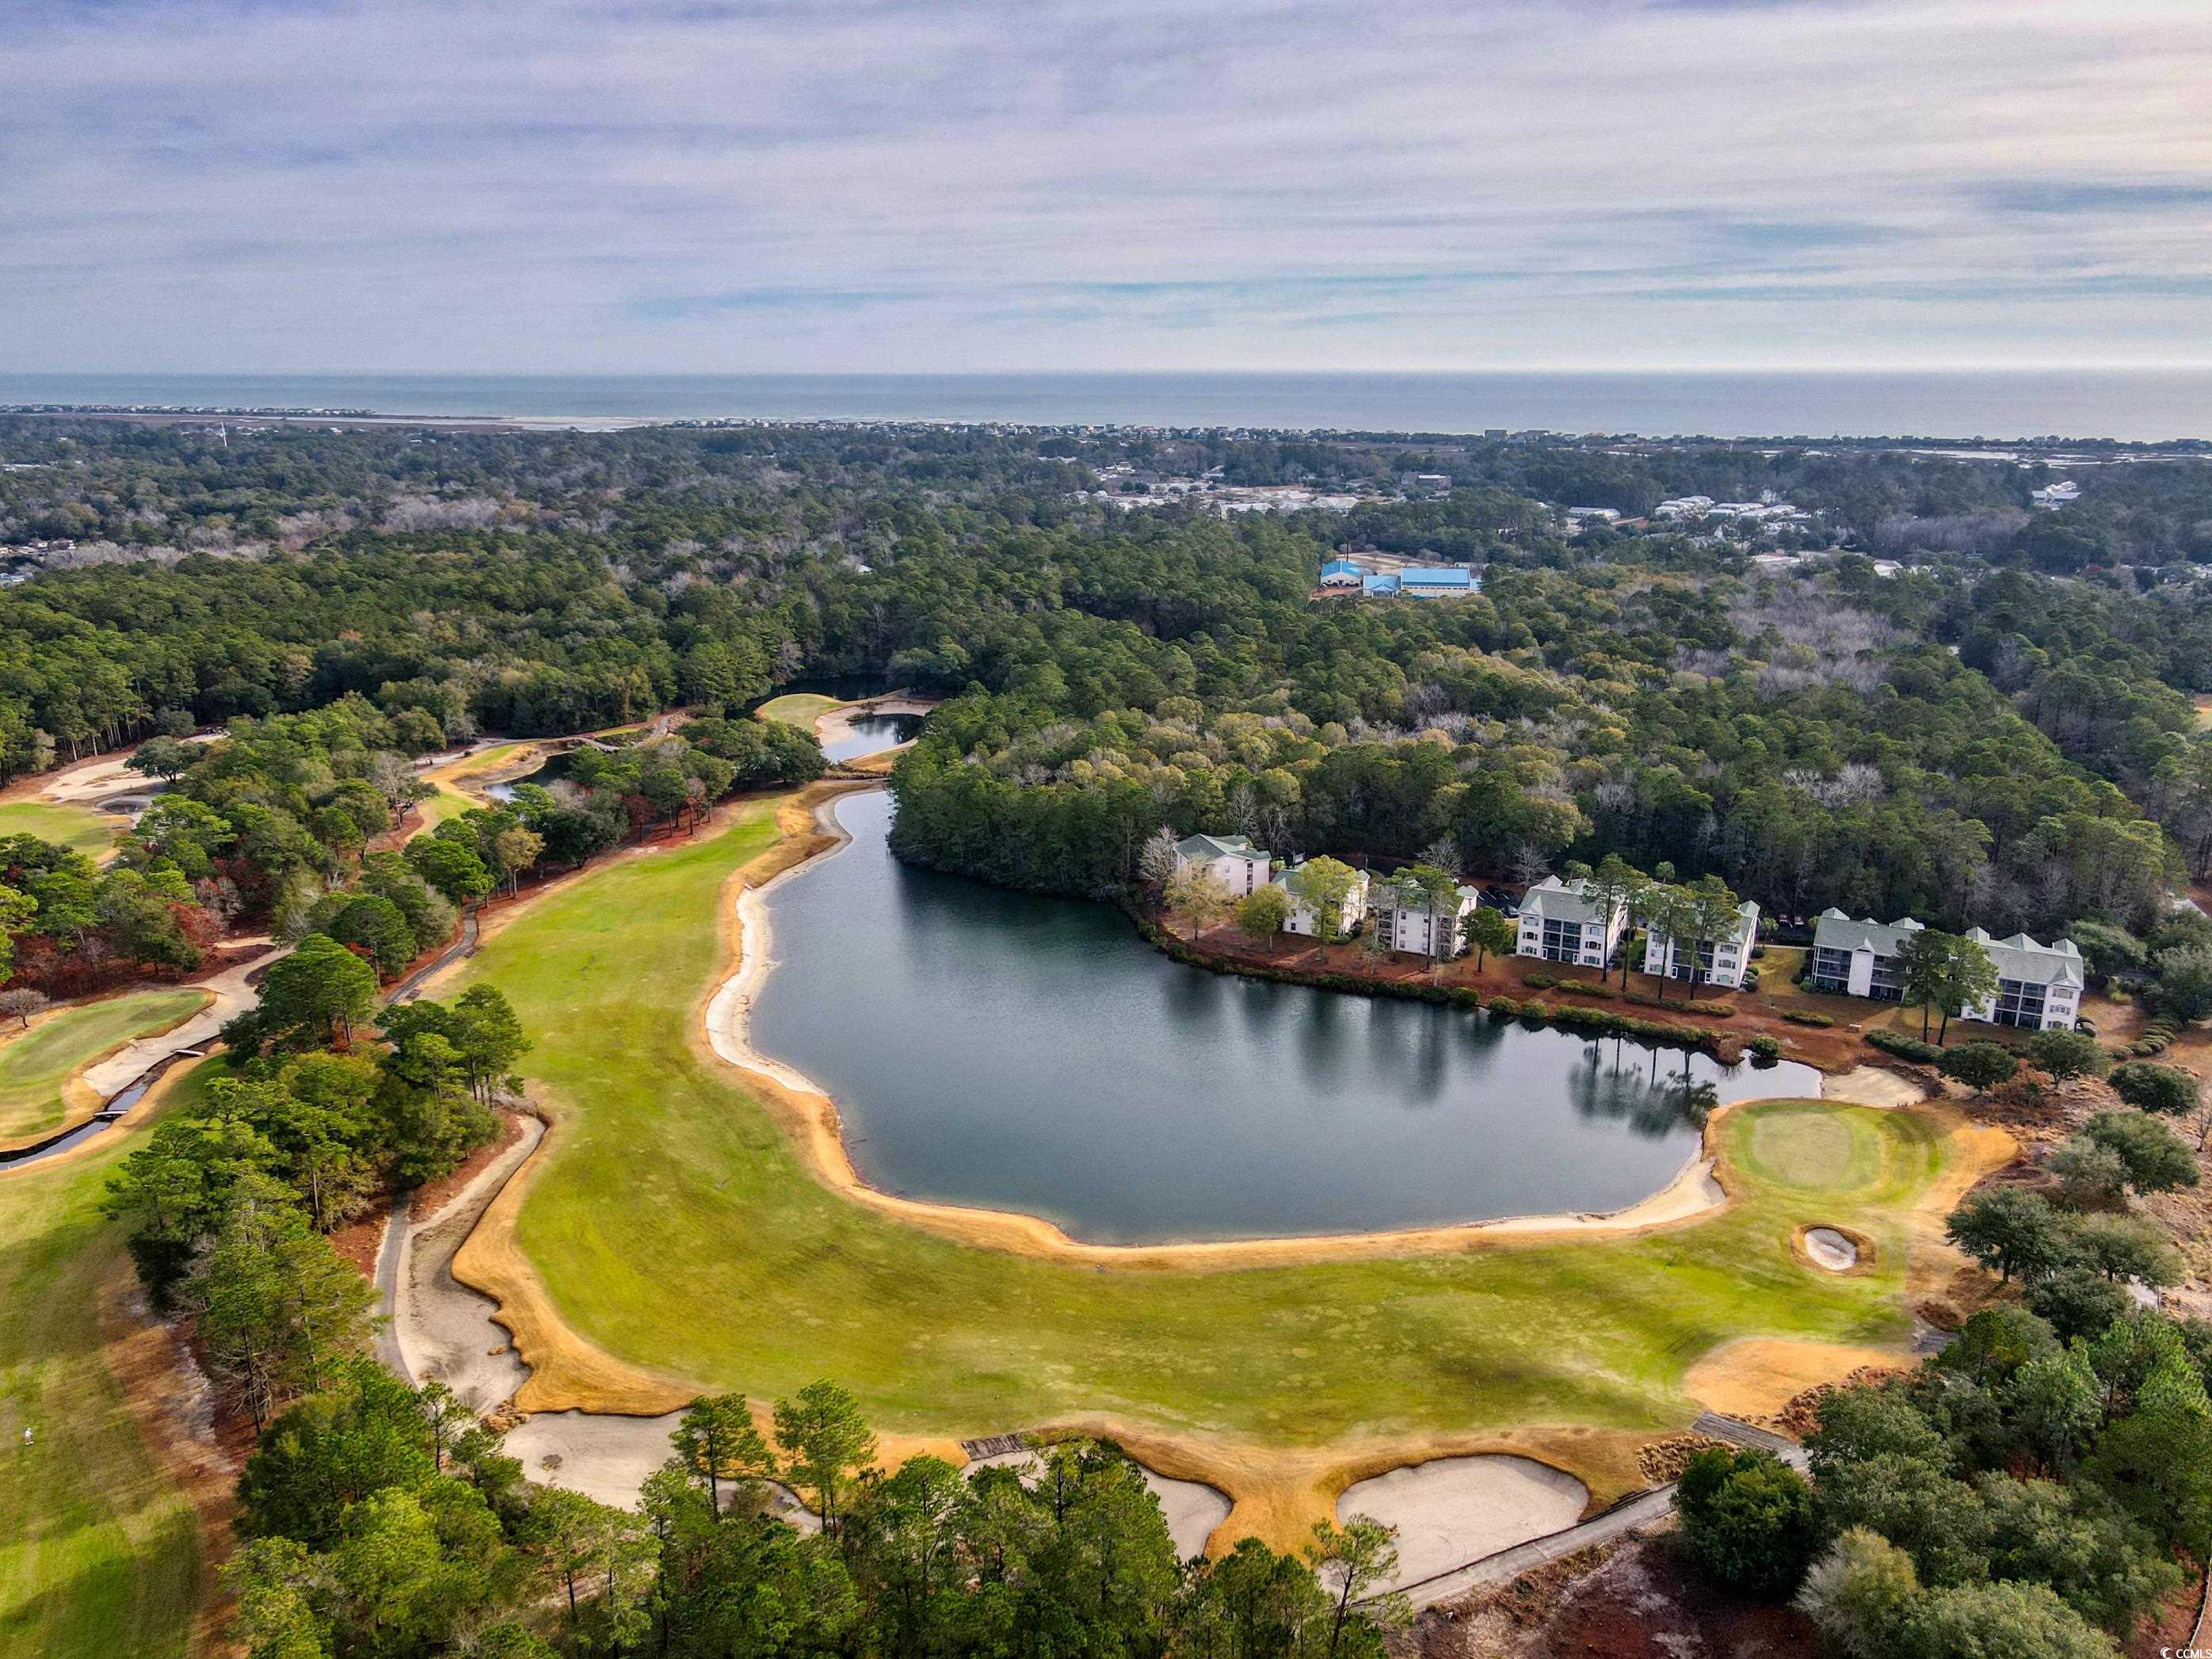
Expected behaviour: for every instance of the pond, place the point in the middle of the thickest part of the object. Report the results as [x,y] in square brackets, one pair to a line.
[864,735]
[1021,1053]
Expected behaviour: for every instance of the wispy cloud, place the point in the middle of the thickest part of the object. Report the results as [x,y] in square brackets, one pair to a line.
[981,184]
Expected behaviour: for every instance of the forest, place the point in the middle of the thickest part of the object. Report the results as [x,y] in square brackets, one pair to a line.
[1973,741]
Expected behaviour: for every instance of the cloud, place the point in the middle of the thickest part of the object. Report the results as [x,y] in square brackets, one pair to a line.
[804,185]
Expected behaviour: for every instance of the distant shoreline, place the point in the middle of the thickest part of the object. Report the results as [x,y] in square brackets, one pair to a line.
[2168,407]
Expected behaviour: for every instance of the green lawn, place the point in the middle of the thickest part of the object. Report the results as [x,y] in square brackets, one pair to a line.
[99,1556]
[677,1228]
[81,828]
[34,1064]
[798,709]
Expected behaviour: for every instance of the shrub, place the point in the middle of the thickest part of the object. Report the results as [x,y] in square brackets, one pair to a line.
[1504,1007]
[1540,981]
[2065,1054]
[1585,987]
[2164,1089]
[1905,1047]
[1979,1064]
[1749,1518]
[1807,1016]
[1765,1047]
[1751,977]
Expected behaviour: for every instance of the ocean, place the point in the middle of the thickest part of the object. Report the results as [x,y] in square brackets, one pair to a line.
[2136,404]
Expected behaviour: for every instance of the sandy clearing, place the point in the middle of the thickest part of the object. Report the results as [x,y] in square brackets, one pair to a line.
[88,781]
[1872,1086]
[1755,1376]
[1456,1510]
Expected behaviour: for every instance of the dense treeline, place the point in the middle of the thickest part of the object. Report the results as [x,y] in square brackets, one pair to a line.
[429,1541]
[1997,748]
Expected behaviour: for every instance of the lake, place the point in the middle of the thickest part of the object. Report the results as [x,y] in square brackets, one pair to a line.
[1021,1053]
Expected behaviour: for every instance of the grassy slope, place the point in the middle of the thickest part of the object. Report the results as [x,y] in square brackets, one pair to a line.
[677,1228]
[798,709]
[449,802]
[99,1555]
[35,1063]
[78,828]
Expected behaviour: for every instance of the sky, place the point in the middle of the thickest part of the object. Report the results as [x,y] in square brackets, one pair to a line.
[978,185]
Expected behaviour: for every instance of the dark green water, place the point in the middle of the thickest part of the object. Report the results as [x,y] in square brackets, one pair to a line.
[996,1048]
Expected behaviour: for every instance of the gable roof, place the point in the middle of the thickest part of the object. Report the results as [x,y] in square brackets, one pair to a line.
[1747,916]
[1836,931]
[1553,900]
[1451,575]
[2031,962]
[1205,848]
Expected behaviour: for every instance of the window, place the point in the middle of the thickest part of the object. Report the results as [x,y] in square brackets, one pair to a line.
[2019,1003]
[1563,941]
[1832,970]
[1888,980]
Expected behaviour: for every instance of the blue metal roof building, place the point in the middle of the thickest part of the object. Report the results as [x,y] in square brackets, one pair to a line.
[1438,583]
[1382,583]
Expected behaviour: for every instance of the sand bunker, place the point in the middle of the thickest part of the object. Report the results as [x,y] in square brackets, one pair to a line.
[1829,1248]
[1193,1509]
[1870,1085]
[1458,1510]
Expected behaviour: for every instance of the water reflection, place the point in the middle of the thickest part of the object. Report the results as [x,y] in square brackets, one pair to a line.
[997,1048]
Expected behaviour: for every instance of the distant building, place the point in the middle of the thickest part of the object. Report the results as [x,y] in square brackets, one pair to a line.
[1859,958]
[1231,860]
[1449,581]
[1720,962]
[1562,923]
[1342,573]
[1684,506]
[2057,495]
[2039,985]
[1305,918]
[1380,584]
[1602,514]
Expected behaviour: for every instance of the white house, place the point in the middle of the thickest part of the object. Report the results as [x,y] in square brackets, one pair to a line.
[1416,928]
[1305,918]
[1231,860]
[1684,506]
[1720,962]
[1859,958]
[2039,985]
[1562,923]
[2057,495]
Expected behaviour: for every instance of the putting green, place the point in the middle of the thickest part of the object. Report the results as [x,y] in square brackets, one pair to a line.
[676,1226]
[80,829]
[799,708]
[34,1064]
[1807,1150]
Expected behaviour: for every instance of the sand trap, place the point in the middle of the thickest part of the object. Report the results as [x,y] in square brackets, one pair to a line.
[1457,1510]
[1193,1509]
[1829,1248]
[1870,1085]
